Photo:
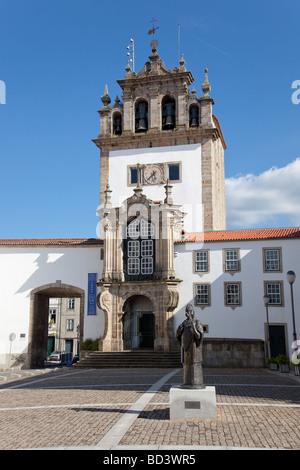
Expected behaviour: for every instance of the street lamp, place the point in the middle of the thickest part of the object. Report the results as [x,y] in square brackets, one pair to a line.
[291,276]
[266,302]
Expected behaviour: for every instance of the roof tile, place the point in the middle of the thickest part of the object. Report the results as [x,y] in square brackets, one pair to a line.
[51,241]
[251,234]
[216,236]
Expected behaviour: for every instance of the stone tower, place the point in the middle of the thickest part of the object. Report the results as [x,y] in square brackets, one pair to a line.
[172,134]
[162,163]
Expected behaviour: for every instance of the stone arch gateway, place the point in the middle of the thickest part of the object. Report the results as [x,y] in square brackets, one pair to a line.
[38,320]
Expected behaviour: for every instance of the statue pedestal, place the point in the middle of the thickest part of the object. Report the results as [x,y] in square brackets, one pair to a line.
[193,403]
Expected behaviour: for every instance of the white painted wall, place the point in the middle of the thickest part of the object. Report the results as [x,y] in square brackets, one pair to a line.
[248,320]
[187,193]
[23,269]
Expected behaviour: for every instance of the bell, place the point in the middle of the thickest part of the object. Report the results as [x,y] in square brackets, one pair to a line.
[142,126]
[141,117]
[169,122]
[117,127]
[168,115]
[194,116]
[194,122]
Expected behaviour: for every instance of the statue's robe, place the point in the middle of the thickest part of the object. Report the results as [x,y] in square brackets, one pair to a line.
[191,353]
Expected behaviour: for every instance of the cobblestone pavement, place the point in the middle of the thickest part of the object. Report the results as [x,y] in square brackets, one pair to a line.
[129,408]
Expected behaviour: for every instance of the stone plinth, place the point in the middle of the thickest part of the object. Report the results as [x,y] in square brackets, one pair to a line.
[192,403]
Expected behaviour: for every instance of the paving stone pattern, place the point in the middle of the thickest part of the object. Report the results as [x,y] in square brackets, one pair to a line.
[67,408]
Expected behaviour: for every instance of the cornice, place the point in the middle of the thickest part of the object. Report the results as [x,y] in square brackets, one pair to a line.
[158,138]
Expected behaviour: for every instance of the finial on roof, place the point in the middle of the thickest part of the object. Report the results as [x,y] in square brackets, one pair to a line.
[117,102]
[107,193]
[138,190]
[168,188]
[105,97]
[182,64]
[206,85]
[128,68]
[154,41]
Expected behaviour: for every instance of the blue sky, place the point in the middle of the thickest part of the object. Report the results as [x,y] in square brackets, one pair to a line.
[56,58]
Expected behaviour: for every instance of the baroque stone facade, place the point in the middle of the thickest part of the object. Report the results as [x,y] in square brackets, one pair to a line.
[157,283]
[139,287]
[152,85]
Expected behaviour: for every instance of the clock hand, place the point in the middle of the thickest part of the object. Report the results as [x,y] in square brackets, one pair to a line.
[152,176]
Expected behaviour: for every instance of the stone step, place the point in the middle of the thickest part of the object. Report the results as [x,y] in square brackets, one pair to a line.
[130,359]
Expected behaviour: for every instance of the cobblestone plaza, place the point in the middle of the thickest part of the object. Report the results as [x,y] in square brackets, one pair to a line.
[129,409]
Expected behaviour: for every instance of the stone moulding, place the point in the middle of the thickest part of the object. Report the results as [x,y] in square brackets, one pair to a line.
[164,297]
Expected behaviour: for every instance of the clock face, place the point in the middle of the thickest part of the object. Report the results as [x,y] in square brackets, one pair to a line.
[153,174]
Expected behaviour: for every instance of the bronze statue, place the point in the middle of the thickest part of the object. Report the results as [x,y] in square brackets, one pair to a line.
[190,335]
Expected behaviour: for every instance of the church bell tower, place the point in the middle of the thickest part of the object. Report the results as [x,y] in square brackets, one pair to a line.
[171,132]
[161,175]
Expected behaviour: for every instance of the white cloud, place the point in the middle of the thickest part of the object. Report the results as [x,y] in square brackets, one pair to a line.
[269,199]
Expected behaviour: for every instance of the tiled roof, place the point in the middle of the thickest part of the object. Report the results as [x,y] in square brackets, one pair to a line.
[216,236]
[255,234]
[51,241]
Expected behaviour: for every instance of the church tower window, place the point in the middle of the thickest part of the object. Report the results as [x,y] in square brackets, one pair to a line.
[174,172]
[194,116]
[168,113]
[139,251]
[141,116]
[117,124]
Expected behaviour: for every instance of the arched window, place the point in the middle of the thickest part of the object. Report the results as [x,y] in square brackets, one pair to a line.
[168,113]
[141,116]
[139,250]
[117,124]
[194,118]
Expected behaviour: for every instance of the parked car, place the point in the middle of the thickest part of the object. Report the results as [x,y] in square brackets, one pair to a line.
[55,356]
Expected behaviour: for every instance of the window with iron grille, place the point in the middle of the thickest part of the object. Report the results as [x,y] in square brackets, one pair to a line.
[272,259]
[147,229]
[233,293]
[232,262]
[133,266]
[201,261]
[70,325]
[202,294]
[139,250]
[147,248]
[147,265]
[133,249]
[133,229]
[274,290]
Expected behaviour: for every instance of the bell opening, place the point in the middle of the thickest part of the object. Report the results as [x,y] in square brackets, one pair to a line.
[168,114]
[141,117]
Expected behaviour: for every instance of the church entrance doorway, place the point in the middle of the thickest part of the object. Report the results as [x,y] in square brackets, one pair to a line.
[138,323]
[39,345]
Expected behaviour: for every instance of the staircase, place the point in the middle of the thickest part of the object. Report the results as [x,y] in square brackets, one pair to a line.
[130,359]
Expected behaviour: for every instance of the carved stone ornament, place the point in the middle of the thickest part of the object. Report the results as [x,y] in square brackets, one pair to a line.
[104,301]
[173,298]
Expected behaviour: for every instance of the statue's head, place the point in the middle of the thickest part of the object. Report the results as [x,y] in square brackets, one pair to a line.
[189,311]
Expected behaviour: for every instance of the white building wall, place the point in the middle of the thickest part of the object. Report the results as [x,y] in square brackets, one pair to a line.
[248,320]
[23,269]
[187,193]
